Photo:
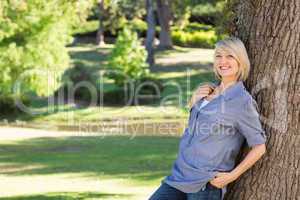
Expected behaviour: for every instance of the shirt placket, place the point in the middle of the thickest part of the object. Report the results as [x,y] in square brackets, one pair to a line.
[197,116]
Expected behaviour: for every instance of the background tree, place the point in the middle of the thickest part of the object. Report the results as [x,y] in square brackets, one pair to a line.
[150,33]
[100,31]
[271,31]
[115,15]
[164,18]
[33,36]
[181,12]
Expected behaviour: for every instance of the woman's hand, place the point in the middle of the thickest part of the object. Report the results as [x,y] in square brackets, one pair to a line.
[222,179]
[201,92]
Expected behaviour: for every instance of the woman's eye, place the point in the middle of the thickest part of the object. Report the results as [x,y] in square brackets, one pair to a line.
[230,56]
[218,56]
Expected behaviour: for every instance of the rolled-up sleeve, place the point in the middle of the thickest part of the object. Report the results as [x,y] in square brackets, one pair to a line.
[249,124]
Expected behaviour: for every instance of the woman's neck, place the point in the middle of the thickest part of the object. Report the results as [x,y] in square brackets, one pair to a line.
[226,83]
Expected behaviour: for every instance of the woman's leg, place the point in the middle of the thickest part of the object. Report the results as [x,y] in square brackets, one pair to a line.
[166,192]
[209,193]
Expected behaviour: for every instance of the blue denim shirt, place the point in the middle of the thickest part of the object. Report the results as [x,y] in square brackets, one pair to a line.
[213,138]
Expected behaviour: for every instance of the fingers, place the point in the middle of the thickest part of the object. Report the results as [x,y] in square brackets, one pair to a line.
[205,88]
[216,184]
[221,174]
[201,92]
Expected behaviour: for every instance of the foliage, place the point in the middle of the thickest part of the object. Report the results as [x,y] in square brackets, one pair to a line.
[217,13]
[117,13]
[128,59]
[201,11]
[181,10]
[33,35]
[204,39]
[194,27]
[138,25]
[206,9]
[86,27]
[226,25]
[82,80]
[7,104]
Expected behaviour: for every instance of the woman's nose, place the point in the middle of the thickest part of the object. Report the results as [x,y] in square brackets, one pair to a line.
[223,60]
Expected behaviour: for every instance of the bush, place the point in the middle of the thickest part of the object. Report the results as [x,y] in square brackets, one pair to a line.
[128,68]
[8,105]
[135,96]
[80,75]
[196,27]
[203,39]
[128,59]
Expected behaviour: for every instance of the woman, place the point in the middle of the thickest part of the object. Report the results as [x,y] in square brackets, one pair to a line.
[221,118]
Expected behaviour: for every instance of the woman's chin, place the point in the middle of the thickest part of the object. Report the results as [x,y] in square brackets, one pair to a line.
[227,75]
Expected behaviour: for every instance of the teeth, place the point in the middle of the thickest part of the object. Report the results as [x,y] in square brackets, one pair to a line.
[222,67]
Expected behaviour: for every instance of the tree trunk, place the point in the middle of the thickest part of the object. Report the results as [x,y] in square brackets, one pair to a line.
[100,32]
[150,33]
[164,18]
[271,32]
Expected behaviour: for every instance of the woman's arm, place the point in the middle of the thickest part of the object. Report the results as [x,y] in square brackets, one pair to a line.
[224,178]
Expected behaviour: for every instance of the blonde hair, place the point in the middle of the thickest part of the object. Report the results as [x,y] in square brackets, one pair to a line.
[237,48]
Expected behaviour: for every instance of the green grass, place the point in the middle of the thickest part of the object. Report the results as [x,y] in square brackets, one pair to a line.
[68,196]
[120,161]
[171,68]
[98,167]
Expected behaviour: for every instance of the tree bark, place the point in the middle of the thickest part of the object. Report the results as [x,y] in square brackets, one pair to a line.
[150,33]
[164,19]
[100,31]
[271,32]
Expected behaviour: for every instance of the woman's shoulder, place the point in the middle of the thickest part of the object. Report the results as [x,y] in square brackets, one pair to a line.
[247,101]
[244,98]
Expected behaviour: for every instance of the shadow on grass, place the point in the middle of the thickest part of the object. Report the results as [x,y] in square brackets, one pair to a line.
[94,57]
[177,91]
[182,87]
[139,158]
[66,196]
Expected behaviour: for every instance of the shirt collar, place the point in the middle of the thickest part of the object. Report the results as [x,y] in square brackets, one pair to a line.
[233,90]
[229,93]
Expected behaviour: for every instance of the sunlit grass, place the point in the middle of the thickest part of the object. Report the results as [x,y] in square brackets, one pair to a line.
[111,167]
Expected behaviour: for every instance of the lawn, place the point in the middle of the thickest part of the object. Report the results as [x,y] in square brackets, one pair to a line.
[102,165]
[84,167]
[180,70]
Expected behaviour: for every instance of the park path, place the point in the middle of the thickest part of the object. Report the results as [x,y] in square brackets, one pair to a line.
[15,133]
[194,58]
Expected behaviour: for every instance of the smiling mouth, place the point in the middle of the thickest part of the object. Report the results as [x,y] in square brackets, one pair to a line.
[224,67]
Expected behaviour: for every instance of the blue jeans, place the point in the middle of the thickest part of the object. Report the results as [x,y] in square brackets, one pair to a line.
[166,192]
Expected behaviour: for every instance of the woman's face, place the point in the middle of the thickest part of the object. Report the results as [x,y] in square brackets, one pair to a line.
[226,65]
